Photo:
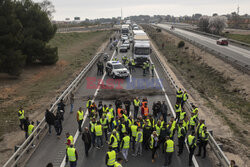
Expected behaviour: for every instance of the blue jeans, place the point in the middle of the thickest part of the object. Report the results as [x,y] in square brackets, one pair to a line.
[71,108]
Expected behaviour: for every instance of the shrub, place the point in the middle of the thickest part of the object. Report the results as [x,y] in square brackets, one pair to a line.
[181,44]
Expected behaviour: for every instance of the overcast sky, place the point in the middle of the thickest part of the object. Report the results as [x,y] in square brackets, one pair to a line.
[112,8]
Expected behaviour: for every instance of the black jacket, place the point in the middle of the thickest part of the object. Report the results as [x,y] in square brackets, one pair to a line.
[86,138]
[50,118]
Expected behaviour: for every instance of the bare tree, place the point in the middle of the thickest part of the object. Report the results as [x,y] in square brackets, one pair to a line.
[48,7]
[203,23]
[217,24]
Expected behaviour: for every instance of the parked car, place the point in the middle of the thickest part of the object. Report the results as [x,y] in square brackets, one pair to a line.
[222,41]
[116,70]
[124,38]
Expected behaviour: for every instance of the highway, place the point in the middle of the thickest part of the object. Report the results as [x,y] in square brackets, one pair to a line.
[52,149]
[234,52]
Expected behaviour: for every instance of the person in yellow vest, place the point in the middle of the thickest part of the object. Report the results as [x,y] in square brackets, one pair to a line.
[136,104]
[21,117]
[125,146]
[104,121]
[169,150]
[184,98]
[71,156]
[113,141]
[110,157]
[182,114]
[172,128]
[193,121]
[186,123]
[191,140]
[79,117]
[133,65]
[92,125]
[138,144]
[112,113]
[30,130]
[70,140]
[179,95]
[203,142]
[118,163]
[154,144]
[177,108]
[133,133]
[88,104]
[105,110]
[181,137]
[98,135]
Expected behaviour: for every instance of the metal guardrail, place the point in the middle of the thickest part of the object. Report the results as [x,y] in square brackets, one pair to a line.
[14,159]
[213,144]
[237,64]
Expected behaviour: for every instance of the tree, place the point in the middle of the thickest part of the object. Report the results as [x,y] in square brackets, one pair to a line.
[11,58]
[203,23]
[217,24]
[48,7]
[37,30]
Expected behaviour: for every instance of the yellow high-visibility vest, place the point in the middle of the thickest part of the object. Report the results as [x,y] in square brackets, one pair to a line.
[126,140]
[30,129]
[115,143]
[21,112]
[71,152]
[137,136]
[98,130]
[134,130]
[170,145]
[112,157]
[80,115]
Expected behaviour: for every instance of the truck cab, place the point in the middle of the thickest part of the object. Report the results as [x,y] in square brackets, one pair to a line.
[141,52]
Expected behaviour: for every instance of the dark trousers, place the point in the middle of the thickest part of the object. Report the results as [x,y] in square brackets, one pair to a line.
[136,109]
[79,125]
[58,130]
[93,138]
[21,124]
[154,149]
[181,144]
[164,115]
[133,142]
[128,110]
[152,70]
[105,130]
[87,147]
[72,164]
[144,72]
[168,158]
[203,145]
[191,153]
[50,128]
[177,115]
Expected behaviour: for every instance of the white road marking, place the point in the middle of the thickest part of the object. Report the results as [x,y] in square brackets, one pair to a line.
[172,110]
[86,113]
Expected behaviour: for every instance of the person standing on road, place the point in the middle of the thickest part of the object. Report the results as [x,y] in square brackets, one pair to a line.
[184,98]
[133,132]
[127,104]
[21,117]
[191,145]
[92,125]
[177,108]
[136,104]
[50,119]
[72,99]
[86,137]
[152,69]
[104,122]
[70,140]
[101,68]
[60,106]
[203,144]
[179,95]
[164,111]
[181,137]
[138,144]
[30,130]
[58,125]
[144,66]
[169,150]
[133,65]
[118,104]
[110,157]
[118,163]
[98,67]
[154,143]
[26,125]
[98,134]
[79,118]
[125,146]
[71,156]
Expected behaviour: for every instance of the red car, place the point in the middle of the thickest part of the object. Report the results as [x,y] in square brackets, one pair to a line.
[222,41]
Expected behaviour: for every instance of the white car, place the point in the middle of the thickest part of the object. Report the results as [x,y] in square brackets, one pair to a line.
[126,43]
[116,70]
[124,37]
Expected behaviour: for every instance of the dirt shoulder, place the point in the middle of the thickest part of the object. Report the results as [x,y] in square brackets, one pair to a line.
[38,86]
[204,77]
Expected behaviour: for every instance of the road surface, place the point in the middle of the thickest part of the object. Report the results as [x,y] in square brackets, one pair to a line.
[52,149]
[234,52]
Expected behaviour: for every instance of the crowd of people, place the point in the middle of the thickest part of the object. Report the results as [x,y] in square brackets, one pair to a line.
[123,130]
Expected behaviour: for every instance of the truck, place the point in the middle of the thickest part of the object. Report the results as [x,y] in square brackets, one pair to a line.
[141,48]
[125,29]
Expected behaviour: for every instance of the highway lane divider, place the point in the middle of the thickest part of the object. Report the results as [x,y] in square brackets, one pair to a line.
[223,160]
[42,126]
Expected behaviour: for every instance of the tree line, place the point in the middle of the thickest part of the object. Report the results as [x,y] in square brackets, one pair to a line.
[25,31]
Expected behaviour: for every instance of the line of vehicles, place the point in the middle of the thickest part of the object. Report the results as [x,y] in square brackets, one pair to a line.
[132,37]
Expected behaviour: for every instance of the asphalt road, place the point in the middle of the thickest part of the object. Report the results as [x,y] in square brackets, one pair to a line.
[52,149]
[237,53]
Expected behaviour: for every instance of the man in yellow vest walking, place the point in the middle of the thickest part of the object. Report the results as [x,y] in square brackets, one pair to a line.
[125,146]
[79,117]
[192,145]
[71,156]
[98,134]
[169,149]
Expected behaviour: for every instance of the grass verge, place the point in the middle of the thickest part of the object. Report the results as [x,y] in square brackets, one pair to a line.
[239,37]
[75,51]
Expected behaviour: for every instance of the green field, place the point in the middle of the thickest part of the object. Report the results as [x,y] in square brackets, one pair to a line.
[239,37]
